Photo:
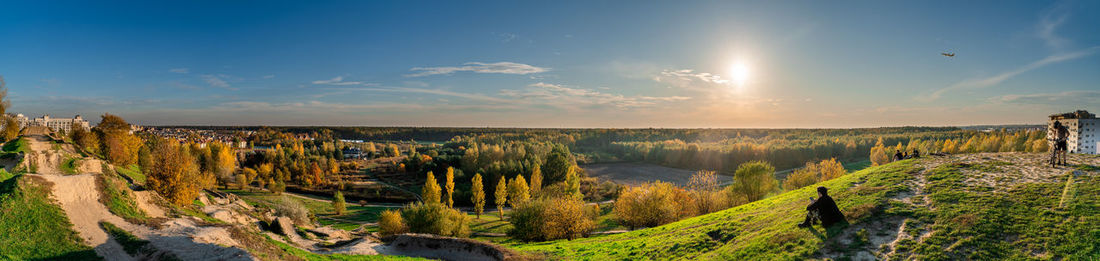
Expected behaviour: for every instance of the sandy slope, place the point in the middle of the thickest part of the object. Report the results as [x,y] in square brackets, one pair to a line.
[78,196]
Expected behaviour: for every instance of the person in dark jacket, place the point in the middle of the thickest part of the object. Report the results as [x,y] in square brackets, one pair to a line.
[823,209]
[897,155]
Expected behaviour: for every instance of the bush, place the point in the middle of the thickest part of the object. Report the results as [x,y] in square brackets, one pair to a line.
[390,223]
[435,218]
[552,218]
[707,193]
[288,207]
[800,178]
[654,204]
[338,204]
[752,181]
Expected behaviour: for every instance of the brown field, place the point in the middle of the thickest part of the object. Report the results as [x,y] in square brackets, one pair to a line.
[634,173]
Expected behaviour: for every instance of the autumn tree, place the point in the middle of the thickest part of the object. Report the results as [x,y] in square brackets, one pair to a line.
[536,180]
[430,193]
[11,128]
[174,174]
[879,155]
[753,181]
[501,196]
[450,186]
[246,177]
[119,145]
[224,161]
[338,203]
[518,192]
[477,191]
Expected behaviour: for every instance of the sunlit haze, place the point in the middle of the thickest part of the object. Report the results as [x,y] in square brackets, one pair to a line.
[710,64]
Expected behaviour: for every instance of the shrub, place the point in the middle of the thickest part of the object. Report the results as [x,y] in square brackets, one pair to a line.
[707,192]
[653,204]
[800,178]
[753,181]
[288,207]
[390,223]
[338,203]
[552,218]
[435,218]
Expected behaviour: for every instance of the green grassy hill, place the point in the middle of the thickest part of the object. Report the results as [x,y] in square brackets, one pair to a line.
[980,206]
[32,227]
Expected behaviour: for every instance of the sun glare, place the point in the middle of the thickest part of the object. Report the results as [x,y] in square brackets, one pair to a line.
[739,74]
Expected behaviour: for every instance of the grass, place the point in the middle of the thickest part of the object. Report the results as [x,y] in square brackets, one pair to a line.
[118,199]
[762,230]
[16,146]
[356,215]
[132,171]
[857,166]
[961,221]
[33,226]
[70,165]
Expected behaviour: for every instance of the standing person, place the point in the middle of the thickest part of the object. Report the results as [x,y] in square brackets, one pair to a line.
[1061,134]
[823,209]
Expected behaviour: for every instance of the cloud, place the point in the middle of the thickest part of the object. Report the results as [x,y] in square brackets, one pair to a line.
[479,67]
[339,81]
[179,70]
[269,76]
[472,96]
[215,80]
[1067,97]
[691,75]
[1049,21]
[997,79]
[561,96]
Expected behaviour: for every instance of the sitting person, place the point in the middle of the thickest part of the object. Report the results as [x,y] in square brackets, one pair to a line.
[916,153]
[823,209]
[897,155]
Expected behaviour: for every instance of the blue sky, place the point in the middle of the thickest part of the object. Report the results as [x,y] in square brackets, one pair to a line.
[554,63]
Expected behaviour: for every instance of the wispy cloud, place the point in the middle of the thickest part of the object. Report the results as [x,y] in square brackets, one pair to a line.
[691,75]
[339,81]
[441,92]
[1082,96]
[269,76]
[997,79]
[216,81]
[1049,21]
[562,96]
[179,70]
[479,67]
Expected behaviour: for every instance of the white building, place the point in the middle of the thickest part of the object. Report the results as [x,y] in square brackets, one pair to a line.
[1084,129]
[55,124]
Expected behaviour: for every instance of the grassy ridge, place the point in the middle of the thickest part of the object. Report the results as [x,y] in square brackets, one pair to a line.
[43,230]
[762,230]
[957,216]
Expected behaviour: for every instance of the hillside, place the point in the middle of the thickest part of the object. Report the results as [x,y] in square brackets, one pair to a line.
[972,206]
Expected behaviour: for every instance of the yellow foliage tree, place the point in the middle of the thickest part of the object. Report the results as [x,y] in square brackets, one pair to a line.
[518,192]
[430,193]
[501,196]
[477,191]
[450,185]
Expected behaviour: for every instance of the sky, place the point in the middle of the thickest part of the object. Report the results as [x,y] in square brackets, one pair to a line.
[576,64]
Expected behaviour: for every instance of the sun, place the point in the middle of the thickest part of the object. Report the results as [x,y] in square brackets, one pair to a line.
[739,74]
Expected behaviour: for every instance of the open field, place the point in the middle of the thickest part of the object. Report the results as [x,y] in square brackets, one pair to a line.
[635,173]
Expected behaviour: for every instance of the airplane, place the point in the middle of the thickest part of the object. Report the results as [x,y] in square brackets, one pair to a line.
[948,54]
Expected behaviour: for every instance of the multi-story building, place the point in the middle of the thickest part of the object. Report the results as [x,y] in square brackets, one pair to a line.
[1084,129]
[55,124]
